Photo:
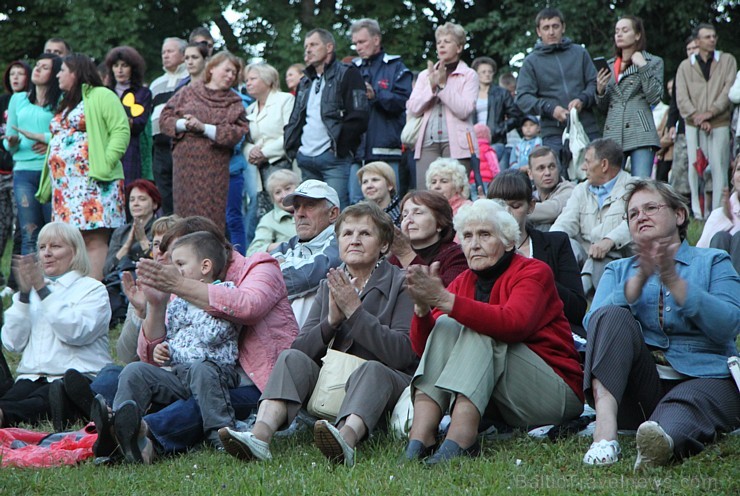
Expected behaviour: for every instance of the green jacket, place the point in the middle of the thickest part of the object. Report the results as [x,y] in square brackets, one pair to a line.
[108,134]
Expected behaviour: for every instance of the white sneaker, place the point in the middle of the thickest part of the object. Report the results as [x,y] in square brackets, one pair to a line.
[603,453]
[332,444]
[244,445]
[654,446]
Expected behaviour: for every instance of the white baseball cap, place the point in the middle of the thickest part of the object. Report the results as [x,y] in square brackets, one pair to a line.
[313,188]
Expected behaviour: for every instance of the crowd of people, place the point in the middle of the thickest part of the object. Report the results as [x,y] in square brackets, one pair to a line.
[422,227]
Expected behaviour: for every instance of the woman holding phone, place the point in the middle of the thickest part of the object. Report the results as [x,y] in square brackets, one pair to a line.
[625,90]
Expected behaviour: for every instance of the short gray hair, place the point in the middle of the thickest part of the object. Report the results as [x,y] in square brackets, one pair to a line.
[71,236]
[325,36]
[267,73]
[372,26]
[489,211]
[181,44]
[454,170]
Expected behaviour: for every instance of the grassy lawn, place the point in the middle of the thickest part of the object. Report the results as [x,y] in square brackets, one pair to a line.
[521,465]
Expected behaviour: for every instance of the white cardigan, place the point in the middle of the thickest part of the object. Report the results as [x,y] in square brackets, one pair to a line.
[68,329]
[266,126]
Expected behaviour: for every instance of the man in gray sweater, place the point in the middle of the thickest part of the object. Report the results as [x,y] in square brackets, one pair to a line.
[557,76]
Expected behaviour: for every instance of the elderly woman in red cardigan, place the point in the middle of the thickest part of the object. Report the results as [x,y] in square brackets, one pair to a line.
[206,120]
[494,343]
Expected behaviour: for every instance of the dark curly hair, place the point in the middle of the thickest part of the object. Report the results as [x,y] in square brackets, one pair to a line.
[131,57]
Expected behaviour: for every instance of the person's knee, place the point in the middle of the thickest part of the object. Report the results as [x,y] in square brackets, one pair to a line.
[599,320]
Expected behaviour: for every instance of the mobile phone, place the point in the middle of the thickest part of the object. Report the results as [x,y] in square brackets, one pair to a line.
[601,63]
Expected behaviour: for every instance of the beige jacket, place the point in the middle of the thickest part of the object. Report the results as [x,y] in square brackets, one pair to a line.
[583,220]
[696,94]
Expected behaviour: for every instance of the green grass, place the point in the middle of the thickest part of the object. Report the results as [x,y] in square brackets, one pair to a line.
[299,468]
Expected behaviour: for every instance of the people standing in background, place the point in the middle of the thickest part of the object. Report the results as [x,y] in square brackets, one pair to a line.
[195,58]
[83,175]
[57,46]
[126,70]
[388,87]
[557,76]
[30,114]
[17,79]
[202,35]
[444,97]
[162,88]
[626,92]
[530,140]
[495,106]
[679,179]
[703,84]
[293,76]
[508,82]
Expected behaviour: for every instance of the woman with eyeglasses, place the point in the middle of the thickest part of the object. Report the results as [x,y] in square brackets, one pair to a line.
[661,328]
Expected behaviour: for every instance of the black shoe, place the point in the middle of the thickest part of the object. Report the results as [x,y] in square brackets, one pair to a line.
[105,446]
[79,393]
[416,451]
[450,450]
[131,434]
[62,411]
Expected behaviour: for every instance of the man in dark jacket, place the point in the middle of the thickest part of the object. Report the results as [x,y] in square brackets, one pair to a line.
[329,116]
[388,86]
[557,76]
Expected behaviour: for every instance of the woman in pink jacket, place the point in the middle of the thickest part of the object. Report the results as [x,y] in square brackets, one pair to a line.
[259,303]
[444,97]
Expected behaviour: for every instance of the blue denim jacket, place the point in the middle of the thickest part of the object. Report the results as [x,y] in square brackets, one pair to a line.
[698,337]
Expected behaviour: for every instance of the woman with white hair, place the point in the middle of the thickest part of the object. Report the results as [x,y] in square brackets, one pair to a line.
[444,98]
[264,149]
[495,344]
[58,320]
[449,177]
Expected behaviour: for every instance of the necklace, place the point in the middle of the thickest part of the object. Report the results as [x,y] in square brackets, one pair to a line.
[522,243]
[362,288]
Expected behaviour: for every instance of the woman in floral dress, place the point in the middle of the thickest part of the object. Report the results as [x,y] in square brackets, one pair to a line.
[84,177]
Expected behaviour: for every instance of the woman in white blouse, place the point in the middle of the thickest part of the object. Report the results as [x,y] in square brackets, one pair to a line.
[263,149]
[58,320]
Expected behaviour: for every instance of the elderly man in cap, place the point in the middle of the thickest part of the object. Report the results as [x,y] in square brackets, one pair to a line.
[307,257]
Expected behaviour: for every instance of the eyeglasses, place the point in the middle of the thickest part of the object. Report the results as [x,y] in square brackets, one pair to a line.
[650,210]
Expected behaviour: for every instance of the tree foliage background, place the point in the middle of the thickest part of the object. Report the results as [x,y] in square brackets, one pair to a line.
[274,29]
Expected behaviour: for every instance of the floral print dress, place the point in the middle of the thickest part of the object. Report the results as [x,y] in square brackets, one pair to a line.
[78,199]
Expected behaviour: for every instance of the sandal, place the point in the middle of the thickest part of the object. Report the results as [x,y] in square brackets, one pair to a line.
[603,453]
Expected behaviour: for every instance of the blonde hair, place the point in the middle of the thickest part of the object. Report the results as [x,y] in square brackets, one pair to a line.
[267,73]
[217,59]
[454,170]
[455,30]
[285,176]
[382,169]
[70,236]
[491,212]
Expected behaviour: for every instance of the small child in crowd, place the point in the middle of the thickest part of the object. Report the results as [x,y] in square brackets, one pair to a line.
[277,225]
[530,140]
[201,350]
[488,160]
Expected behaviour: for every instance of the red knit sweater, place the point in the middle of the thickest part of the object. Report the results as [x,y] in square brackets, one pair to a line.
[524,307]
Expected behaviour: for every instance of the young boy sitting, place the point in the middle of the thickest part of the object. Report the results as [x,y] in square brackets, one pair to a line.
[200,351]
[530,140]
[277,225]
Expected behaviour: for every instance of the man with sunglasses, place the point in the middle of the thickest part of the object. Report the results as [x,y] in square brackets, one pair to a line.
[594,217]
[329,116]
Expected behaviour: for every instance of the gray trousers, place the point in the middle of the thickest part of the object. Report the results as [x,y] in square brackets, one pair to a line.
[595,268]
[428,155]
[208,382]
[372,390]
[680,169]
[509,382]
[692,411]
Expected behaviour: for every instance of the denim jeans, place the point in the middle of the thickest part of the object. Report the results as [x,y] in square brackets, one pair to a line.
[251,206]
[179,426]
[641,160]
[354,186]
[331,169]
[234,213]
[502,154]
[106,382]
[32,215]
